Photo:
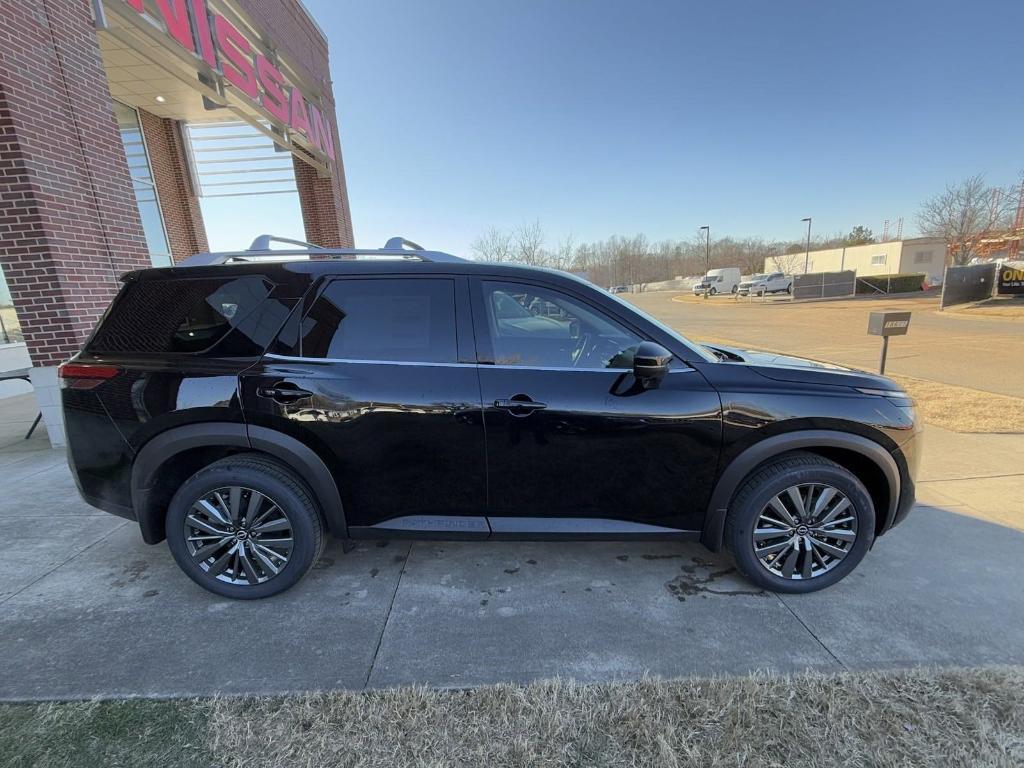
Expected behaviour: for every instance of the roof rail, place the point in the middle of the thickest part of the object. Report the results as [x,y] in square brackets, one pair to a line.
[394,248]
[262,243]
[399,243]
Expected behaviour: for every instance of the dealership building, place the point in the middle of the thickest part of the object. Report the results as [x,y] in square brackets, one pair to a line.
[120,120]
[924,255]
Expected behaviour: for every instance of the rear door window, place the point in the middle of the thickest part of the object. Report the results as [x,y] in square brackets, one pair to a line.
[383,319]
[190,315]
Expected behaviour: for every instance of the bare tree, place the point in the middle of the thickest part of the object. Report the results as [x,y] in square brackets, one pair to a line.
[789,263]
[964,213]
[494,245]
[528,244]
[564,257]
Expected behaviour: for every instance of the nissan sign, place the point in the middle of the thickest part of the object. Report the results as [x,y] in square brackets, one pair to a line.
[212,38]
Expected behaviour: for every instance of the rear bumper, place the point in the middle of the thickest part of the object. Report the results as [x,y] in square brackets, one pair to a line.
[98,456]
[107,505]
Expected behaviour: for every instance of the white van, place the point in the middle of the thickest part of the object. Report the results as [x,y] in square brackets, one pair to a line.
[724,280]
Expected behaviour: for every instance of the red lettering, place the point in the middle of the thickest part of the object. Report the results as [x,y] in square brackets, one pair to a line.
[272,99]
[203,32]
[238,51]
[175,16]
[314,126]
[299,117]
[322,128]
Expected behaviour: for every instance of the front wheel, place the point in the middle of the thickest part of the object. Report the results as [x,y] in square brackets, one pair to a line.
[789,289]
[712,291]
[799,524]
[244,527]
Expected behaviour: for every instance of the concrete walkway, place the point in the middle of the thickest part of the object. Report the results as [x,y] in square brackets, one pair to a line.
[86,609]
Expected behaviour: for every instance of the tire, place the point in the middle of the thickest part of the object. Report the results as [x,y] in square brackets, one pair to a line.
[284,509]
[789,289]
[761,293]
[734,289]
[712,291]
[770,483]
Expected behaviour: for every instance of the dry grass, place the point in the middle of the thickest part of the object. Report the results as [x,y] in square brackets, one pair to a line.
[919,718]
[961,409]
[1002,307]
[114,734]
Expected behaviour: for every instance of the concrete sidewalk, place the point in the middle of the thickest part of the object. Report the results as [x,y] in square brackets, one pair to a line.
[86,609]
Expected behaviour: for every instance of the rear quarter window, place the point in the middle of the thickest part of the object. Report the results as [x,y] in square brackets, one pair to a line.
[178,316]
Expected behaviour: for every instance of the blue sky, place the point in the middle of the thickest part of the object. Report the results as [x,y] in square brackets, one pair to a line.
[601,118]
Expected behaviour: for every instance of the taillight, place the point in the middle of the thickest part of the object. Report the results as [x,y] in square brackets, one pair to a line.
[85,375]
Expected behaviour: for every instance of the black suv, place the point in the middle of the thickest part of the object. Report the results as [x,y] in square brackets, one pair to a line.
[244,405]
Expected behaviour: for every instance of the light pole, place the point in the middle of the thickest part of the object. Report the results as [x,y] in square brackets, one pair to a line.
[807,254]
[707,255]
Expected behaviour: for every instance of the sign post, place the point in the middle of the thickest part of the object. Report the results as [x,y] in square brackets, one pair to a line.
[886,324]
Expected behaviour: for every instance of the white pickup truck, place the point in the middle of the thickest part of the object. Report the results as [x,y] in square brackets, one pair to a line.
[773,282]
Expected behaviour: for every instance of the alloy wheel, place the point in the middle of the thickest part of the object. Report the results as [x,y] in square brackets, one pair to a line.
[239,535]
[805,531]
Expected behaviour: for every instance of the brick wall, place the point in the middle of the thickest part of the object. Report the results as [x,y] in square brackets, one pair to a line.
[325,215]
[183,219]
[69,225]
[68,221]
[325,207]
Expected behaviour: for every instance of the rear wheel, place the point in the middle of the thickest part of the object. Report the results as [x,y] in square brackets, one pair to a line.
[244,527]
[800,523]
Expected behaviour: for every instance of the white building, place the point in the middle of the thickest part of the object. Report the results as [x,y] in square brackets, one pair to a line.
[926,255]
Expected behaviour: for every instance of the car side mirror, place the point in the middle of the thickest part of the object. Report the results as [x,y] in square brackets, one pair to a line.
[650,364]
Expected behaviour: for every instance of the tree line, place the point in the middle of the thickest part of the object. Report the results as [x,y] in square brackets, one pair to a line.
[636,260]
[962,215]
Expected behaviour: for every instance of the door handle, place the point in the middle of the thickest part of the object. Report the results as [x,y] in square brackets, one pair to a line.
[283,394]
[519,405]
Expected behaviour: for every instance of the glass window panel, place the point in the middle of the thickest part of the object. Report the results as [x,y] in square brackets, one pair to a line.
[538,327]
[142,184]
[398,319]
[153,226]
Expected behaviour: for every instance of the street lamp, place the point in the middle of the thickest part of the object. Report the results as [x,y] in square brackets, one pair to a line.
[807,255]
[707,255]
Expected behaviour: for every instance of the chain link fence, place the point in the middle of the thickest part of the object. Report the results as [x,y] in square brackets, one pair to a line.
[824,285]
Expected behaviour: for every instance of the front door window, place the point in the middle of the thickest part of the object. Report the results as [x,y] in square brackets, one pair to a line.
[537,327]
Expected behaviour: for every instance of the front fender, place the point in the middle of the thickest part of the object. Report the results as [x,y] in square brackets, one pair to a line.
[762,451]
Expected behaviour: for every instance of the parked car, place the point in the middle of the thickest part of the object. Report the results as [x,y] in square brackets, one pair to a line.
[244,407]
[725,280]
[619,289]
[772,282]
